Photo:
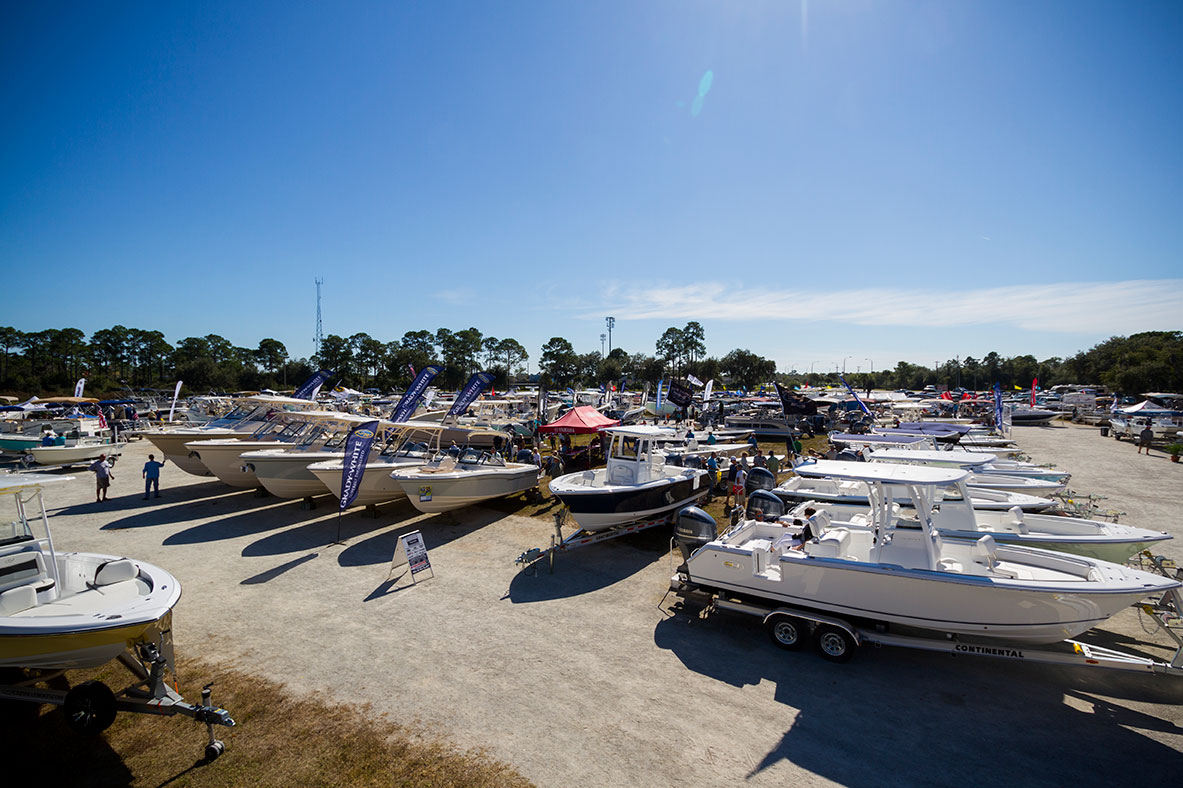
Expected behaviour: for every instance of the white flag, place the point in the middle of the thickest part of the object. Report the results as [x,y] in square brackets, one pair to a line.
[706,395]
[694,380]
[176,393]
[79,386]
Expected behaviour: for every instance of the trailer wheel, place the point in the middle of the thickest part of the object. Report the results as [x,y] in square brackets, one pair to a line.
[787,632]
[834,643]
[90,707]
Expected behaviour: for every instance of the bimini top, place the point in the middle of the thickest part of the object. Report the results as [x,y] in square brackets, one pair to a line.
[883,440]
[644,431]
[964,459]
[12,482]
[882,472]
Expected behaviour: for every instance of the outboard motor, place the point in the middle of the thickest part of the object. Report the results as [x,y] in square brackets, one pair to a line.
[692,461]
[849,456]
[692,530]
[764,506]
[759,479]
[524,456]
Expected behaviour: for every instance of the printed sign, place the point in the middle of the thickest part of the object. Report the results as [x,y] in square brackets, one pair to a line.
[472,389]
[411,551]
[311,386]
[425,492]
[410,399]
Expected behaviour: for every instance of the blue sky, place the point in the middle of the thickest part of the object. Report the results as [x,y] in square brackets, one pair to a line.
[812,181]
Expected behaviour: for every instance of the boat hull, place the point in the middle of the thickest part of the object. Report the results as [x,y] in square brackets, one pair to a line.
[376,485]
[171,445]
[600,508]
[927,600]
[73,455]
[432,493]
[222,459]
[285,474]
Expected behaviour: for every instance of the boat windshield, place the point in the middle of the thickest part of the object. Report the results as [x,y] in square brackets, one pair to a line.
[292,431]
[626,448]
[266,429]
[240,413]
[14,526]
[310,436]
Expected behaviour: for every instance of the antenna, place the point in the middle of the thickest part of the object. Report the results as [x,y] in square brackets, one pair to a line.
[320,334]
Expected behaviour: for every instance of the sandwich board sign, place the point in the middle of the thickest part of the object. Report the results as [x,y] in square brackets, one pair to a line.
[412,552]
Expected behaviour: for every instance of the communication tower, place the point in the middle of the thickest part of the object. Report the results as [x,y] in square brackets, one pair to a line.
[320,334]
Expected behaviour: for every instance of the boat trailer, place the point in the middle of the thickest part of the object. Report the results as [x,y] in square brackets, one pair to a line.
[837,639]
[91,706]
[581,538]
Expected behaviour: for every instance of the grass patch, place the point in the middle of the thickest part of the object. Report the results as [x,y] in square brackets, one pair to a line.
[281,740]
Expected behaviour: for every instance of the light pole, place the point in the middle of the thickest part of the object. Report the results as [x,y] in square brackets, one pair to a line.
[611,322]
[844,364]
[602,338]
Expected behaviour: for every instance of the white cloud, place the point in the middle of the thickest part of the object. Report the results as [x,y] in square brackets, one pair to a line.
[456,296]
[1068,307]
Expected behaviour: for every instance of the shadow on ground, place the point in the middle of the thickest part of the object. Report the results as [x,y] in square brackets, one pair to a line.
[587,569]
[438,529]
[895,716]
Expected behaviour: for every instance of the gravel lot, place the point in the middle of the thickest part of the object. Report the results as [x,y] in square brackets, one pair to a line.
[587,677]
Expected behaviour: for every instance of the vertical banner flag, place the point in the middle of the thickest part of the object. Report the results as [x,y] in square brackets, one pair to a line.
[660,383]
[861,406]
[311,387]
[102,417]
[472,389]
[706,394]
[543,396]
[410,399]
[693,380]
[412,368]
[679,395]
[1034,385]
[357,454]
[79,386]
[173,408]
[997,406]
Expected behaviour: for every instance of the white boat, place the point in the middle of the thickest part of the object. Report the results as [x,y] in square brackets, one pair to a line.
[956,519]
[83,451]
[766,420]
[286,430]
[882,572]
[981,463]
[636,484]
[1028,416]
[412,444]
[70,610]
[448,482]
[240,423]
[801,488]
[284,472]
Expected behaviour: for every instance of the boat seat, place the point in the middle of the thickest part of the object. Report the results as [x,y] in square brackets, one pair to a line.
[621,474]
[21,568]
[831,544]
[1016,514]
[113,572]
[985,552]
[14,600]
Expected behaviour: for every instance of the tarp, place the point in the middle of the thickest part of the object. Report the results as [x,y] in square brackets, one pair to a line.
[579,421]
[1145,406]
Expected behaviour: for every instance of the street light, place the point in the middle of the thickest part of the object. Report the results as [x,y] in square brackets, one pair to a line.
[602,338]
[844,364]
[611,322]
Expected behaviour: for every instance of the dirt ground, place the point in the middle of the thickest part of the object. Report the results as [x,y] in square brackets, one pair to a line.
[590,677]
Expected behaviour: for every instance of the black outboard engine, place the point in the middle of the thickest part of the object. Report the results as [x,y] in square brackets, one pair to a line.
[849,456]
[524,456]
[692,530]
[764,506]
[759,479]
[692,461]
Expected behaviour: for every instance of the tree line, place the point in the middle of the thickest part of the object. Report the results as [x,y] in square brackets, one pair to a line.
[119,358]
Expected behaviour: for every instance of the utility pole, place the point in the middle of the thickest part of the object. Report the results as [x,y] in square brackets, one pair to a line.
[611,322]
[320,334]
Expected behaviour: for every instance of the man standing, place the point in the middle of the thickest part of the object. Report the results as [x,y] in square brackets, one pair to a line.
[152,475]
[1145,437]
[102,477]
[773,464]
[732,470]
[737,489]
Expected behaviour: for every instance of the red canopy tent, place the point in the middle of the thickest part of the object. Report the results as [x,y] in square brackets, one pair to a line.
[579,421]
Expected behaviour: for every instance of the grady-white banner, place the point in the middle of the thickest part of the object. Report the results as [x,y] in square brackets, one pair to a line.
[173,408]
[472,389]
[79,386]
[311,387]
[410,399]
[357,454]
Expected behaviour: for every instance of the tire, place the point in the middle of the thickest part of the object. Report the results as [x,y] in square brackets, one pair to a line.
[834,643]
[787,632]
[90,707]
